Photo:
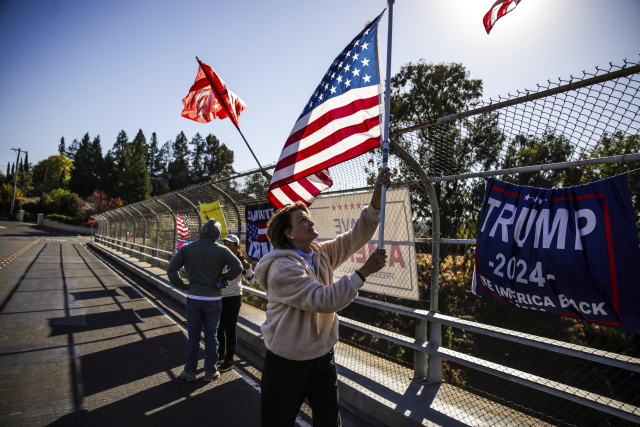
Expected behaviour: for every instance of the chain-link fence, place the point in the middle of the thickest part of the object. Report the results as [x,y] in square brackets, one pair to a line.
[560,134]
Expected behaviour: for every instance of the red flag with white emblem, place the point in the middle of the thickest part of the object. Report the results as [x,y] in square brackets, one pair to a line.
[203,104]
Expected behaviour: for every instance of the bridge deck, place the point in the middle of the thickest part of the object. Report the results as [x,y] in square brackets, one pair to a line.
[78,346]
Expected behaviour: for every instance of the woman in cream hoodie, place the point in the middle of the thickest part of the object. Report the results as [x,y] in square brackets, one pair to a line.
[301,327]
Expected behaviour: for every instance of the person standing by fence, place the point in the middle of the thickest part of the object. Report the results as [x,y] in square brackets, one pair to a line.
[301,325]
[204,262]
[231,302]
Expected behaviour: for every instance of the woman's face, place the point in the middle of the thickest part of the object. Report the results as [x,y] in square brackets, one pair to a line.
[302,228]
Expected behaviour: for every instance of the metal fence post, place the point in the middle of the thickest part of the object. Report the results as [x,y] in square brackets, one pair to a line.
[154,253]
[175,225]
[427,366]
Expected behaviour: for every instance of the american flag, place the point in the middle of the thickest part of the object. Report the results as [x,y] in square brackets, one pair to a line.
[257,231]
[182,225]
[498,10]
[340,121]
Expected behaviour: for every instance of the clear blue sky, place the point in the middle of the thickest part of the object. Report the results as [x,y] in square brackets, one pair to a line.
[71,67]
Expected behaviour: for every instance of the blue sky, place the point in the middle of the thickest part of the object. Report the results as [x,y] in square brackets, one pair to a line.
[71,67]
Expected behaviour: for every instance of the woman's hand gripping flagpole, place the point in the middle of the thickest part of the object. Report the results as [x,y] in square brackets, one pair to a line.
[385,136]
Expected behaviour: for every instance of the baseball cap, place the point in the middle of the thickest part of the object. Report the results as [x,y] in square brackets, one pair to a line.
[232,238]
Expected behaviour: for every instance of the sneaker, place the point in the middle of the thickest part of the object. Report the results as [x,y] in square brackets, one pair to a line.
[209,378]
[220,361]
[187,377]
[225,366]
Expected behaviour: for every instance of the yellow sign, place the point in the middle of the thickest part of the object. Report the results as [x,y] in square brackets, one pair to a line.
[213,211]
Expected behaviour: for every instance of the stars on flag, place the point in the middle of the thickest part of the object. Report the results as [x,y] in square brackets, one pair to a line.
[335,82]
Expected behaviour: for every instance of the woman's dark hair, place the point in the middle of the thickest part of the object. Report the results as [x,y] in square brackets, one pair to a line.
[281,221]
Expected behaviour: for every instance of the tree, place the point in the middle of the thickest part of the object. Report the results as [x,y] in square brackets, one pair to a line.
[179,166]
[218,159]
[13,170]
[120,148]
[135,182]
[109,175]
[154,160]
[61,147]
[86,175]
[423,92]
[72,149]
[198,144]
[52,172]
[25,176]
[8,168]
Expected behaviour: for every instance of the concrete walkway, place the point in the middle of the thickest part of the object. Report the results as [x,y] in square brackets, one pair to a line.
[79,346]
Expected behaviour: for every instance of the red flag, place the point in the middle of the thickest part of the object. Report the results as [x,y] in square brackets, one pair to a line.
[203,104]
[498,10]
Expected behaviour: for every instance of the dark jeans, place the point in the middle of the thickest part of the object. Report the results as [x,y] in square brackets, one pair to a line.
[286,383]
[199,314]
[227,328]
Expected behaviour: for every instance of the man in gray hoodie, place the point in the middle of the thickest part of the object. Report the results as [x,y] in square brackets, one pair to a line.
[204,262]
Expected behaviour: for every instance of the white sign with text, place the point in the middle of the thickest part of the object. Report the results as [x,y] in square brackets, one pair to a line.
[334,215]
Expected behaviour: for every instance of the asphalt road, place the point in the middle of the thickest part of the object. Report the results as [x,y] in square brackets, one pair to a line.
[80,346]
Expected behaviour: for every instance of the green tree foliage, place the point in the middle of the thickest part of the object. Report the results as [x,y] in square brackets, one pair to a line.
[155,162]
[423,92]
[51,173]
[218,159]
[86,175]
[179,166]
[61,146]
[197,155]
[72,149]
[119,150]
[135,179]
[256,186]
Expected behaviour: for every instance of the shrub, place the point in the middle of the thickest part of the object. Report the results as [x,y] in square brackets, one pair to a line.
[65,219]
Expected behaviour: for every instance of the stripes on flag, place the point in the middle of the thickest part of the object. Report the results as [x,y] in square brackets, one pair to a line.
[182,225]
[262,231]
[340,121]
[498,10]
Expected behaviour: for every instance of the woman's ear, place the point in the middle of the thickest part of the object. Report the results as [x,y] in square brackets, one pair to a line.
[287,234]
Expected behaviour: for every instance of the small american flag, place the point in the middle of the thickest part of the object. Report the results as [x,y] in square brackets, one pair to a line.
[182,225]
[257,231]
[340,121]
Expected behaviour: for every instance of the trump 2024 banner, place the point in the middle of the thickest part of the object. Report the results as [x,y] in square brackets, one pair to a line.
[569,251]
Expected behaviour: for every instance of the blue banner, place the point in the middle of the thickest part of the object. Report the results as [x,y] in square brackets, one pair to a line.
[569,251]
[257,216]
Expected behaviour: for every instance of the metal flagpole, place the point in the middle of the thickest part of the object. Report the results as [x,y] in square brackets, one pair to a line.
[265,173]
[385,136]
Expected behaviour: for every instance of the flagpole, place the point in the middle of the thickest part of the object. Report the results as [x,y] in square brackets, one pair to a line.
[385,137]
[224,105]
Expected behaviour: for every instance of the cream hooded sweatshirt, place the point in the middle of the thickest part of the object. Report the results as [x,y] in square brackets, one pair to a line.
[301,319]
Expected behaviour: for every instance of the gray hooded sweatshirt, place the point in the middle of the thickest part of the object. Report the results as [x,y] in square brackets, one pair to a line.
[204,261]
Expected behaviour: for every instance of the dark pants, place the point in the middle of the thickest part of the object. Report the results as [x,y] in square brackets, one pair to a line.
[227,328]
[286,383]
[199,314]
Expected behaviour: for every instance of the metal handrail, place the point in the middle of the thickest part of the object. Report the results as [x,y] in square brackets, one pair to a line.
[134,244]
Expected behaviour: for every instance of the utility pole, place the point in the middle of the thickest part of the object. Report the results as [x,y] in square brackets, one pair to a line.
[15,181]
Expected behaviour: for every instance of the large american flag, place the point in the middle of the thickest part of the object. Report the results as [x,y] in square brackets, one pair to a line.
[182,225]
[340,121]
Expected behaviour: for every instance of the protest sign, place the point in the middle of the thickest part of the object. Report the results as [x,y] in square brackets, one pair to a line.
[335,215]
[257,216]
[569,251]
